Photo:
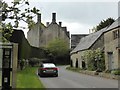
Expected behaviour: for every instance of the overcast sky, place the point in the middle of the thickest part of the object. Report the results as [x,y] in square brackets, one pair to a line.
[77,15]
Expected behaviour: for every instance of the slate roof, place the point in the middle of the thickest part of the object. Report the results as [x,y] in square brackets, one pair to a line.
[88,41]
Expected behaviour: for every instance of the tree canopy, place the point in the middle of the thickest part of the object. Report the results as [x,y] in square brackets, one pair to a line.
[103,24]
[14,13]
[58,47]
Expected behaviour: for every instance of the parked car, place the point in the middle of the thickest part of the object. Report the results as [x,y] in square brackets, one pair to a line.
[48,69]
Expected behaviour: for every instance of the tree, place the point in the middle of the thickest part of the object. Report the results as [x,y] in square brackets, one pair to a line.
[103,24]
[58,48]
[15,14]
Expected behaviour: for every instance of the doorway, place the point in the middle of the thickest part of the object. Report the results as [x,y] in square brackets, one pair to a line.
[110,61]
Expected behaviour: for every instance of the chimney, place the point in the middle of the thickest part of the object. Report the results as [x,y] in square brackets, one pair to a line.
[54,17]
[60,24]
[39,18]
[47,24]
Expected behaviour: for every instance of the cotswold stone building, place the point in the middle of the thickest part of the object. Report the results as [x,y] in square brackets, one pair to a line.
[40,35]
[92,41]
[107,39]
[112,46]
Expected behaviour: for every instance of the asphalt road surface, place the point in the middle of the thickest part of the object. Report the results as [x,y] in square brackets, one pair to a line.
[69,79]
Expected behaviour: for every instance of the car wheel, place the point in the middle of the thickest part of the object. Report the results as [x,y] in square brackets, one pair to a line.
[41,75]
[56,75]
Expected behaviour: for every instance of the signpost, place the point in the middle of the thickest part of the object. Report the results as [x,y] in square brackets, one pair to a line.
[8,65]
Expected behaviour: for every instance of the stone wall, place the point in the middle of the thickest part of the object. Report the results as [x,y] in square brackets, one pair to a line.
[52,32]
[111,45]
[25,51]
[77,56]
[34,34]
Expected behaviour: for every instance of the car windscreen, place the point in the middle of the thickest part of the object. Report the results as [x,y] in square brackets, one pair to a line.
[48,65]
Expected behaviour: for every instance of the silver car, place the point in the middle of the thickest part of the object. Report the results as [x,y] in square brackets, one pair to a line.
[48,69]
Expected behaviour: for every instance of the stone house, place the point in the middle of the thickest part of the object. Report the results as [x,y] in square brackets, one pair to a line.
[92,41]
[40,35]
[107,39]
[112,46]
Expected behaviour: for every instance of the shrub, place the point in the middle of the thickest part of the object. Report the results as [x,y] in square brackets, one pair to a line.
[34,61]
[116,72]
[22,64]
[94,59]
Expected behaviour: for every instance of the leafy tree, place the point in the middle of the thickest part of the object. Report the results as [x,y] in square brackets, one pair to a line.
[58,48]
[15,14]
[103,24]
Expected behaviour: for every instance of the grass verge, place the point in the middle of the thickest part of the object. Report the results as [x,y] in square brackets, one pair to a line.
[27,78]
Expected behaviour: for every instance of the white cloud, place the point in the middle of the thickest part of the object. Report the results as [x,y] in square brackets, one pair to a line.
[77,28]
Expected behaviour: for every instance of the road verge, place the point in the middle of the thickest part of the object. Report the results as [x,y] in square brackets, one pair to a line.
[94,73]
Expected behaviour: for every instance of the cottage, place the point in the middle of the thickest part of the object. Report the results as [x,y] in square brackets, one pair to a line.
[112,46]
[107,39]
[92,41]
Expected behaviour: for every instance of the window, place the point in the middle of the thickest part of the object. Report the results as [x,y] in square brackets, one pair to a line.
[116,34]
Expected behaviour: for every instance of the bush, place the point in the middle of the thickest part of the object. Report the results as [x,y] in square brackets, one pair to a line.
[34,61]
[22,64]
[95,60]
[115,72]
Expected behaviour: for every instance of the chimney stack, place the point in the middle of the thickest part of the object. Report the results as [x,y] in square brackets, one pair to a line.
[60,24]
[54,17]
[47,24]
[39,18]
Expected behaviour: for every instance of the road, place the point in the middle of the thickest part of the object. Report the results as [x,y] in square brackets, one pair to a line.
[69,79]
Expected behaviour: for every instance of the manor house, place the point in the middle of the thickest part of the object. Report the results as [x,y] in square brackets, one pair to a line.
[40,35]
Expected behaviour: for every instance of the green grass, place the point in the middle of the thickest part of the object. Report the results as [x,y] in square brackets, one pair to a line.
[115,72]
[27,78]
